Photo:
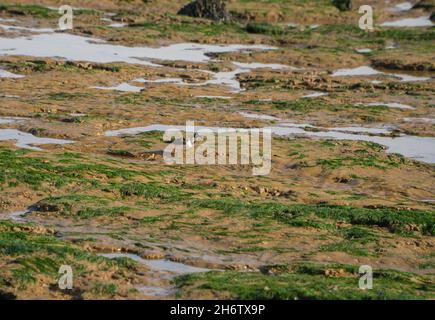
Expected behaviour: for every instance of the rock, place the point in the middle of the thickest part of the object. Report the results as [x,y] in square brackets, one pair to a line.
[209,9]
[342,179]
[424,4]
[42,206]
[70,120]
[343,5]
[432,17]
[274,16]
[335,273]
[259,190]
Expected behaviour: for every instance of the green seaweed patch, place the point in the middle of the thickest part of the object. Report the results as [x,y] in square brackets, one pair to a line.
[325,216]
[18,167]
[357,241]
[306,282]
[39,11]
[29,9]
[309,105]
[266,28]
[145,139]
[37,252]
[104,289]
[81,206]
[366,161]
[153,190]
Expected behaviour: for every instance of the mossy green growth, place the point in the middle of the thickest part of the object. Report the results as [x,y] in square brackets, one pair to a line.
[265,28]
[325,216]
[361,161]
[17,167]
[357,241]
[39,11]
[36,252]
[153,190]
[81,206]
[29,9]
[307,281]
[104,289]
[145,140]
[307,105]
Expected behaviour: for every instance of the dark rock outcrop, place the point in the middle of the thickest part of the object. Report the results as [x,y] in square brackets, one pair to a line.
[425,5]
[343,5]
[208,9]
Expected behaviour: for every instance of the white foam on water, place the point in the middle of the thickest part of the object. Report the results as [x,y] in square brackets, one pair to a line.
[359,71]
[369,71]
[113,24]
[124,87]
[159,264]
[364,50]
[408,78]
[404,6]
[9,120]
[229,78]
[18,216]
[157,127]
[258,116]
[394,105]
[423,21]
[78,114]
[418,148]
[26,140]
[35,30]
[7,20]
[7,74]
[118,25]
[225,78]
[315,95]
[420,120]
[138,130]
[427,200]
[78,48]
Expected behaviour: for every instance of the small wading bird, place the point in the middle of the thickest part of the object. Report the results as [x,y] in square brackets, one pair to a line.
[189,143]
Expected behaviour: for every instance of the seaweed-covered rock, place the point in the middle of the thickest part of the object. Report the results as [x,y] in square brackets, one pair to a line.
[209,9]
[343,5]
[425,5]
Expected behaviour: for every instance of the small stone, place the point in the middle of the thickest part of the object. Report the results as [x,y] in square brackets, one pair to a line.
[209,9]
[343,5]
